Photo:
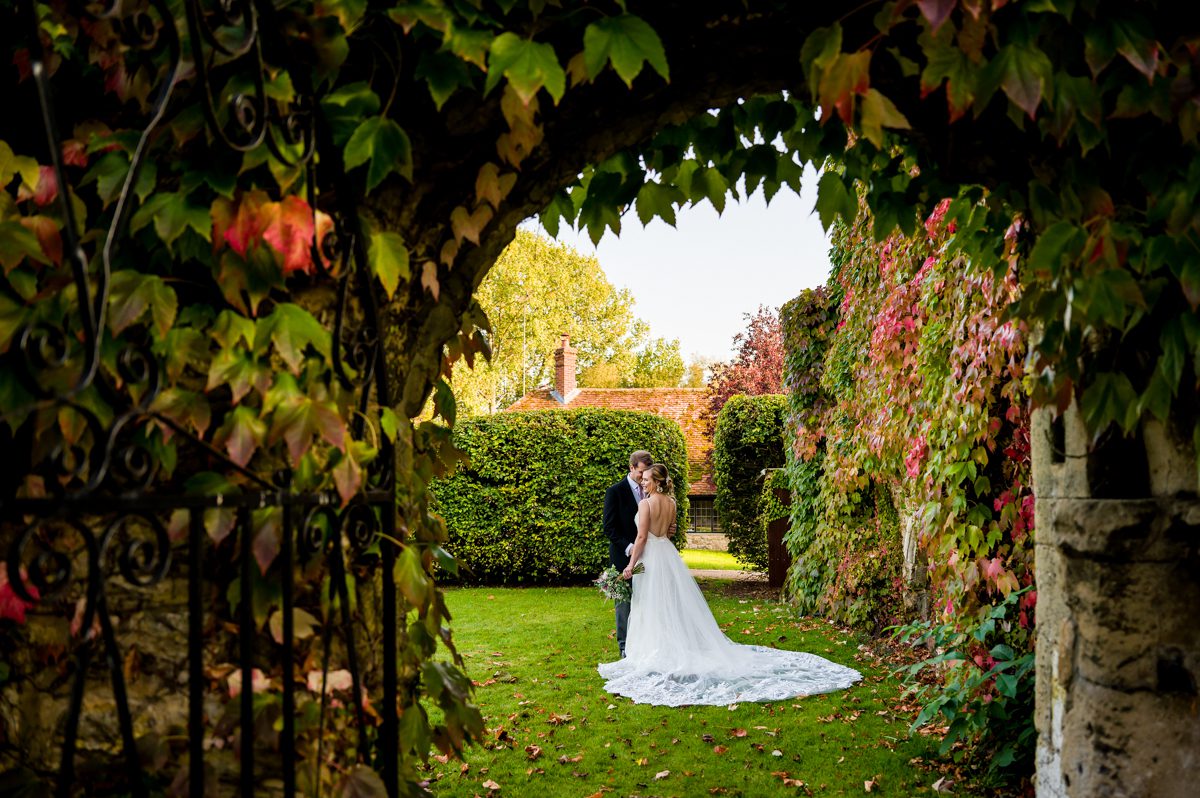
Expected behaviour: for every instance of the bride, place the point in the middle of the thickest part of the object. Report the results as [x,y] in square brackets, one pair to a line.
[675,653]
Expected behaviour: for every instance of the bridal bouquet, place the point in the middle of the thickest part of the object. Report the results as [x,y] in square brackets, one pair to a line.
[613,587]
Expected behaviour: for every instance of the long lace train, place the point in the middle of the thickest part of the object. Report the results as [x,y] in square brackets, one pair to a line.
[675,654]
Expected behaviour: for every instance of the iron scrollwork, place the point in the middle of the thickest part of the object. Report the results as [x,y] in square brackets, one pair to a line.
[98,525]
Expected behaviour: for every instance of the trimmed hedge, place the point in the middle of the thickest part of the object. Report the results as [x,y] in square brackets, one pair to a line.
[528,507]
[749,438]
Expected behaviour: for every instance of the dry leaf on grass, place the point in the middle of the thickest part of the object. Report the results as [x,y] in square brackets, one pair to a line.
[662,774]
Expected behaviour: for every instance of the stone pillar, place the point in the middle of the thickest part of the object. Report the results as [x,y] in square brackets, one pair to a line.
[1118,613]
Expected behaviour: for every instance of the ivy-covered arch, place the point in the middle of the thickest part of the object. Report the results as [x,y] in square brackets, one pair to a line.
[437,126]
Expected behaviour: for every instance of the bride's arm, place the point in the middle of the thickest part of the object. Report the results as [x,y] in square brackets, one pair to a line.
[640,544]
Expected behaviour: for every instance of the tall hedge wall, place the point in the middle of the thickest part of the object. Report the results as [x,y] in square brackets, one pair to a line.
[528,507]
[749,438]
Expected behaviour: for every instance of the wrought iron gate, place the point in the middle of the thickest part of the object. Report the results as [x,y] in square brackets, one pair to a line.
[104,523]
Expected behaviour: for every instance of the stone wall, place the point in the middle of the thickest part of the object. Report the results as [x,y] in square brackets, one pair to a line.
[1118,575]
[150,625]
[707,541]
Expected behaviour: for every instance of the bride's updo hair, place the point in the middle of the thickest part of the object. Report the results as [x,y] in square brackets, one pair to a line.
[662,480]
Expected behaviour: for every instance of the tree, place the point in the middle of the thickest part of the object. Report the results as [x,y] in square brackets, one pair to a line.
[757,366]
[696,373]
[528,310]
[657,365]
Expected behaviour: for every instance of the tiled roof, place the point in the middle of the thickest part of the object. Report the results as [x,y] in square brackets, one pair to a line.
[684,406]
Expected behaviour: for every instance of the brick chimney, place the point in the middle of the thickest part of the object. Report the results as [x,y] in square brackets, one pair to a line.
[564,370]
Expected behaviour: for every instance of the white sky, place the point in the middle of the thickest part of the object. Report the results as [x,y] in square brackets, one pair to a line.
[695,281]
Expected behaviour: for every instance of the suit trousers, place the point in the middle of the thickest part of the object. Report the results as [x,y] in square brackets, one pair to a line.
[622,624]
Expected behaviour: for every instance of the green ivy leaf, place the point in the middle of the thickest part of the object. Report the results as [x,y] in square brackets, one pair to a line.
[444,403]
[389,423]
[299,418]
[1024,71]
[131,294]
[241,434]
[1133,38]
[658,200]
[186,408]
[834,200]
[388,258]
[346,107]
[17,243]
[877,113]
[470,45]
[382,144]
[1058,241]
[443,74]
[13,316]
[411,578]
[1110,398]
[292,329]
[626,41]
[820,48]
[172,214]
[528,66]
[710,184]
[238,369]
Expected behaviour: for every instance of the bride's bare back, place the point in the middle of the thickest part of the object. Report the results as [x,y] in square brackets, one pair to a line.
[658,511]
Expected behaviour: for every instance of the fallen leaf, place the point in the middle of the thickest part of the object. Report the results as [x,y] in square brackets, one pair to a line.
[708,738]
[642,761]
[533,752]
[777,752]
[942,785]
[737,732]
[719,749]
[662,774]
[490,785]
[564,759]
[869,785]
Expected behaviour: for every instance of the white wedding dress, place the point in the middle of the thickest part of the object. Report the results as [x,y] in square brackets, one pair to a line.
[675,654]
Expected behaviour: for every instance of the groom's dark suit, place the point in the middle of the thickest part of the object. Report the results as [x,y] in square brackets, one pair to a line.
[620,506]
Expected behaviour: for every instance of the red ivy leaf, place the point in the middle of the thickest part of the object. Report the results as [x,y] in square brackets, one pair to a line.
[266,540]
[242,225]
[289,231]
[47,234]
[241,434]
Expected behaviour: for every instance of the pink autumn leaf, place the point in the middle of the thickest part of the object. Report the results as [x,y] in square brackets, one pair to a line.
[289,231]
[258,682]
[13,606]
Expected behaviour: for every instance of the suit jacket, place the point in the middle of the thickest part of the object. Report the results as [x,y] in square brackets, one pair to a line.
[620,505]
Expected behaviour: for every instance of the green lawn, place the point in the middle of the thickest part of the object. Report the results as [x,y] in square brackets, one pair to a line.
[553,731]
[700,559]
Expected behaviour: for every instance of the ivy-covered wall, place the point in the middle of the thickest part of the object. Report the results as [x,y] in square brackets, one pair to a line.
[749,438]
[527,506]
[906,392]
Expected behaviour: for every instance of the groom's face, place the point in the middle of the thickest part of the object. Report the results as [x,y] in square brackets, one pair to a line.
[635,471]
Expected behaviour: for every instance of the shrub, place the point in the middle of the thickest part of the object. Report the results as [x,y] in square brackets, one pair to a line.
[528,507]
[749,438]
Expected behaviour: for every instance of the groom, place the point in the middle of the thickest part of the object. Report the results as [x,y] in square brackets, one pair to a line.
[620,505]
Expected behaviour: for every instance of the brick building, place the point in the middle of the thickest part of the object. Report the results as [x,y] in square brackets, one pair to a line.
[684,406]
